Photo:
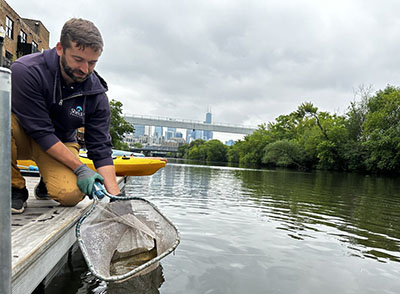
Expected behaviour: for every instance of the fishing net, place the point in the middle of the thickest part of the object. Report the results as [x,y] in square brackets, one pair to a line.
[124,238]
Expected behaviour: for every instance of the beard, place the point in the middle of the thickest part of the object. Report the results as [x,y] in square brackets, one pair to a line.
[69,71]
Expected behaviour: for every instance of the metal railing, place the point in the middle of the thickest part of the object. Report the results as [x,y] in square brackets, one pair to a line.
[188,124]
[5,181]
[187,120]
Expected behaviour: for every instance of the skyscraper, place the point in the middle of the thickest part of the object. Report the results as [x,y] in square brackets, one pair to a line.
[139,131]
[170,133]
[208,135]
[192,135]
[158,132]
[198,134]
[189,137]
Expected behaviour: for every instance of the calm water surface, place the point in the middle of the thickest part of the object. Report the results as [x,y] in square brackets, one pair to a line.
[261,231]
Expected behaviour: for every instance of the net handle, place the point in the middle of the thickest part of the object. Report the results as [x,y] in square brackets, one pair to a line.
[100,192]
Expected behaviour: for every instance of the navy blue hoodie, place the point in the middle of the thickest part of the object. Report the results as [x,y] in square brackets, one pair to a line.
[50,113]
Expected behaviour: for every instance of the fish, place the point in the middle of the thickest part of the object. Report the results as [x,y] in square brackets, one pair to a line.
[124,262]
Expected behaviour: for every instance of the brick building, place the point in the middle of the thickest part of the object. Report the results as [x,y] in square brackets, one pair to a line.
[22,36]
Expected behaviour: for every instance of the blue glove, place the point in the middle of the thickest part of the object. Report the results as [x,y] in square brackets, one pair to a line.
[86,179]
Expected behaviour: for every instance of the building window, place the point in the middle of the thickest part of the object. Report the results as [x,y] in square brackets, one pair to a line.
[8,59]
[34,47]
[9,55]
[22,34]
[9,28]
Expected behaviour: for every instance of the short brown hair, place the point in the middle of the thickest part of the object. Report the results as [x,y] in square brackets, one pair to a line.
[83,32]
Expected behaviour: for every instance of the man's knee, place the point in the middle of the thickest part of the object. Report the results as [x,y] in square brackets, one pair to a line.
[67,198]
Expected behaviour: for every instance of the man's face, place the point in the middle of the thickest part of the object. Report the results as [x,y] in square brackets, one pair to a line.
[77,64]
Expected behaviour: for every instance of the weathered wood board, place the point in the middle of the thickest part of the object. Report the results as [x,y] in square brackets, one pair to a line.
[40,238]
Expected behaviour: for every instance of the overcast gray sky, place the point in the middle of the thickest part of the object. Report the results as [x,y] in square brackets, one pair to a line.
[250,61]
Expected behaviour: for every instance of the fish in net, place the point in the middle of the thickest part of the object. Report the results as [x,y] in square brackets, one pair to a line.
[124,238]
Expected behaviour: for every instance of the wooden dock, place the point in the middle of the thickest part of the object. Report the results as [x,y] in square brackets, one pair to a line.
[41,236]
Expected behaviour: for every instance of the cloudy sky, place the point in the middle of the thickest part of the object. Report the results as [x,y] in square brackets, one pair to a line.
[249,60]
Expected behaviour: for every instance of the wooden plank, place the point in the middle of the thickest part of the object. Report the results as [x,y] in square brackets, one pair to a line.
[41,236]
[40,267]
[34,238]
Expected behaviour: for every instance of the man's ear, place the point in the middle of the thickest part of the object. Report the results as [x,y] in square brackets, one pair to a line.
[59,49]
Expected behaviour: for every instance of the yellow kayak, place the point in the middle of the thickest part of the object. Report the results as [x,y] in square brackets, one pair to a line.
[124,165]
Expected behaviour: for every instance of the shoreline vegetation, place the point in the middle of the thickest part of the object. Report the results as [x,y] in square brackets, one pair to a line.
[365,139]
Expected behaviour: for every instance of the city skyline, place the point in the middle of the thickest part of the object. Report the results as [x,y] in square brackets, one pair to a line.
[160,133]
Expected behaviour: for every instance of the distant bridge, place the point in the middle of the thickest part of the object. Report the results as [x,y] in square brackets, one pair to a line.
[152,148]
[155,150]
[188,124]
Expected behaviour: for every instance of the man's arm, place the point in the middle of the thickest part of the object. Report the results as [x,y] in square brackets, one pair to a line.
[110,181]
[63,155]
[60,152]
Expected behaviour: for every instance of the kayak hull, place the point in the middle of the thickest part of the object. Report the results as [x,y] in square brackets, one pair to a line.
[131,166]
[124,166]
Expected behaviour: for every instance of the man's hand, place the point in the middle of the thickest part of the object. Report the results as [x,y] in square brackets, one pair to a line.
[86,179]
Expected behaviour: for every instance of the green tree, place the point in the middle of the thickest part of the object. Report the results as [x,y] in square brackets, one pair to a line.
[234,152]
[285,127]
[251,149]
[195,150]
[284,153]
[213,150]
[354,151]
[197,142]
[216,151]
[381,131]
[308,110]
[357,112]
[182,150]
[198,152]
[118,126]
[323,135]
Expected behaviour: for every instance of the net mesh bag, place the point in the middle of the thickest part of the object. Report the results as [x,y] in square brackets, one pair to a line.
[123,239]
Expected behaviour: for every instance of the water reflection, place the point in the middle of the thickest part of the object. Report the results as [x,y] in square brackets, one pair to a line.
[149,283]
[75,277]
[361,211]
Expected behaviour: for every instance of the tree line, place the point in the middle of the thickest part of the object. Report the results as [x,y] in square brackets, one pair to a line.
[365,139]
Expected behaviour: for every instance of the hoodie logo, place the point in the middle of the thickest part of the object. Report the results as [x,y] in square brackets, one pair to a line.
[77,112]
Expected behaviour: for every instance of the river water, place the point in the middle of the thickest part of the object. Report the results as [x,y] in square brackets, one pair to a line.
[266,231]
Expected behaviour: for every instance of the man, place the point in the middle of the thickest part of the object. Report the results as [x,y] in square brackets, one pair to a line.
[53,94]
